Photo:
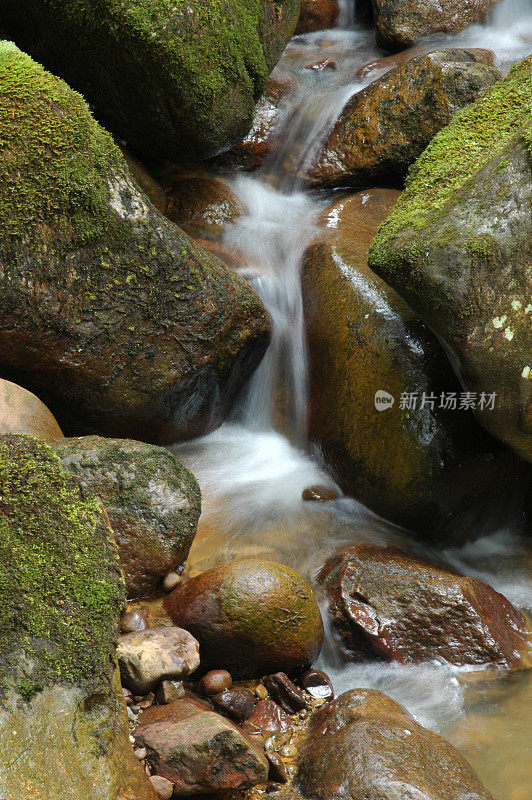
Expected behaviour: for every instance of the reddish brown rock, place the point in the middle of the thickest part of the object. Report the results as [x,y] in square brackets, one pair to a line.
[267,718]
[365,745]
[388,605]
[319,494]
[317,15]
[318,684]
[402,23]
[215,681]
[250,617]
[236,703]
[319,66]
[380,66]
[202,205]
[384,128]
[198,750]
[23,412]
[285,693]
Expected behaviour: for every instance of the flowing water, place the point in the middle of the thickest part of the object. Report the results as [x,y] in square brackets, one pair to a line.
[253,469]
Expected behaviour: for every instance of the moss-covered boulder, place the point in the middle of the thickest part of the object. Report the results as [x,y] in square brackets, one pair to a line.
[417,457]
[63,726]
[458,247]
[152,501]
[117,321]
[174,78]
[250,617]
[22,412]
[384,128]
[402,23]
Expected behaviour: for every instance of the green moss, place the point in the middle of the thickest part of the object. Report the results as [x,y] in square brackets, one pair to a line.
[475,135]
[60,587]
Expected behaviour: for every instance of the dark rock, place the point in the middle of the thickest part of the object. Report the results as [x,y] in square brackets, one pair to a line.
[215,681]
[388,605]
[385,127]
[250,616]
[319,494]
[317,15]
[277,771]
[318,684]
[458,247]
[402,23]
[144,334]
[22,412]
[364,745]
[285,693]
[157,654]
[152,500]
[267,718]
[201,205]
[196,69]
[62,717]
[132,620]
[236,703]
[198,750]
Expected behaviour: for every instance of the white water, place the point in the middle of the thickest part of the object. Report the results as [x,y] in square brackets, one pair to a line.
[253,469]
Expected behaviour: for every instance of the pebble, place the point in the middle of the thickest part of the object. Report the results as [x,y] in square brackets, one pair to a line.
[320,494]
[135,709]
[163,789]
[285,693]
[261,691]
[141,753]
[288,751]
[318,684]
[237,703]
[277,770]
[319,66]
[171,581]
[168,691]
[215,681]
[132,621]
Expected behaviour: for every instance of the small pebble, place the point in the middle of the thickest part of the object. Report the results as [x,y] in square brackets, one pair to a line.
[285,693]
[163,789]
[130,714]
[215,681]
[168,691]
[236,703]
[288,751]
[132,621]
[318,684]
[141,753]
[135,709]
[277,771]
[132,739]
[171,581]
[261,691]
[147,770]
[319,494]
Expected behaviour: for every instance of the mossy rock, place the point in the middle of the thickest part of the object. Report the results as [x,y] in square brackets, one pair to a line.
[175,78]
[458,247]
[63,727]
[250,617]
[153,503]
[108,312]
[384,128]
[429,468]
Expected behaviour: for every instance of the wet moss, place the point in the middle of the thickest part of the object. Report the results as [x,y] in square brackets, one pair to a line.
[61,590]
[475,135]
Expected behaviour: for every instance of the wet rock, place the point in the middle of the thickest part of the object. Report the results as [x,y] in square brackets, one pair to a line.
[168,691]
[319,494]
[267,718]
[231,256]
[318,684]
[147,183]
[415,461]
[319,66]
[170,581]
[152,500]
[22,412]
[215,681]
[64,724]
[277,771]
[145,334]
[285,693]
[157,654]
[402,23]
[458,247]
[390,606]
[202,205]
[250,616]
[132,621]
[251,152]
[198,750]
[317,15]
[163,789]
[385,127]
[196,69]
[364,744]
[236,703]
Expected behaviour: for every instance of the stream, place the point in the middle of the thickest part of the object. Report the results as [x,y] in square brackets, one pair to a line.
[253,469]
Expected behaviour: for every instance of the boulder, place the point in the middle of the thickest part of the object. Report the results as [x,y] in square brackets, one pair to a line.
[22,412]
[317,15]
[119,322]
[202,205]
[63,723]
[402,23]
[364,744]
[198,750]
[385,127]
[157,654]
[152,500]
[388,605]
[413,460]
[174,80]
[250,617]
[458,247]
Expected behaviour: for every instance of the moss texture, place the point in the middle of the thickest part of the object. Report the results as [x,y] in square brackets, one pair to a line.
[60,585]
[196,67]
[123,325]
